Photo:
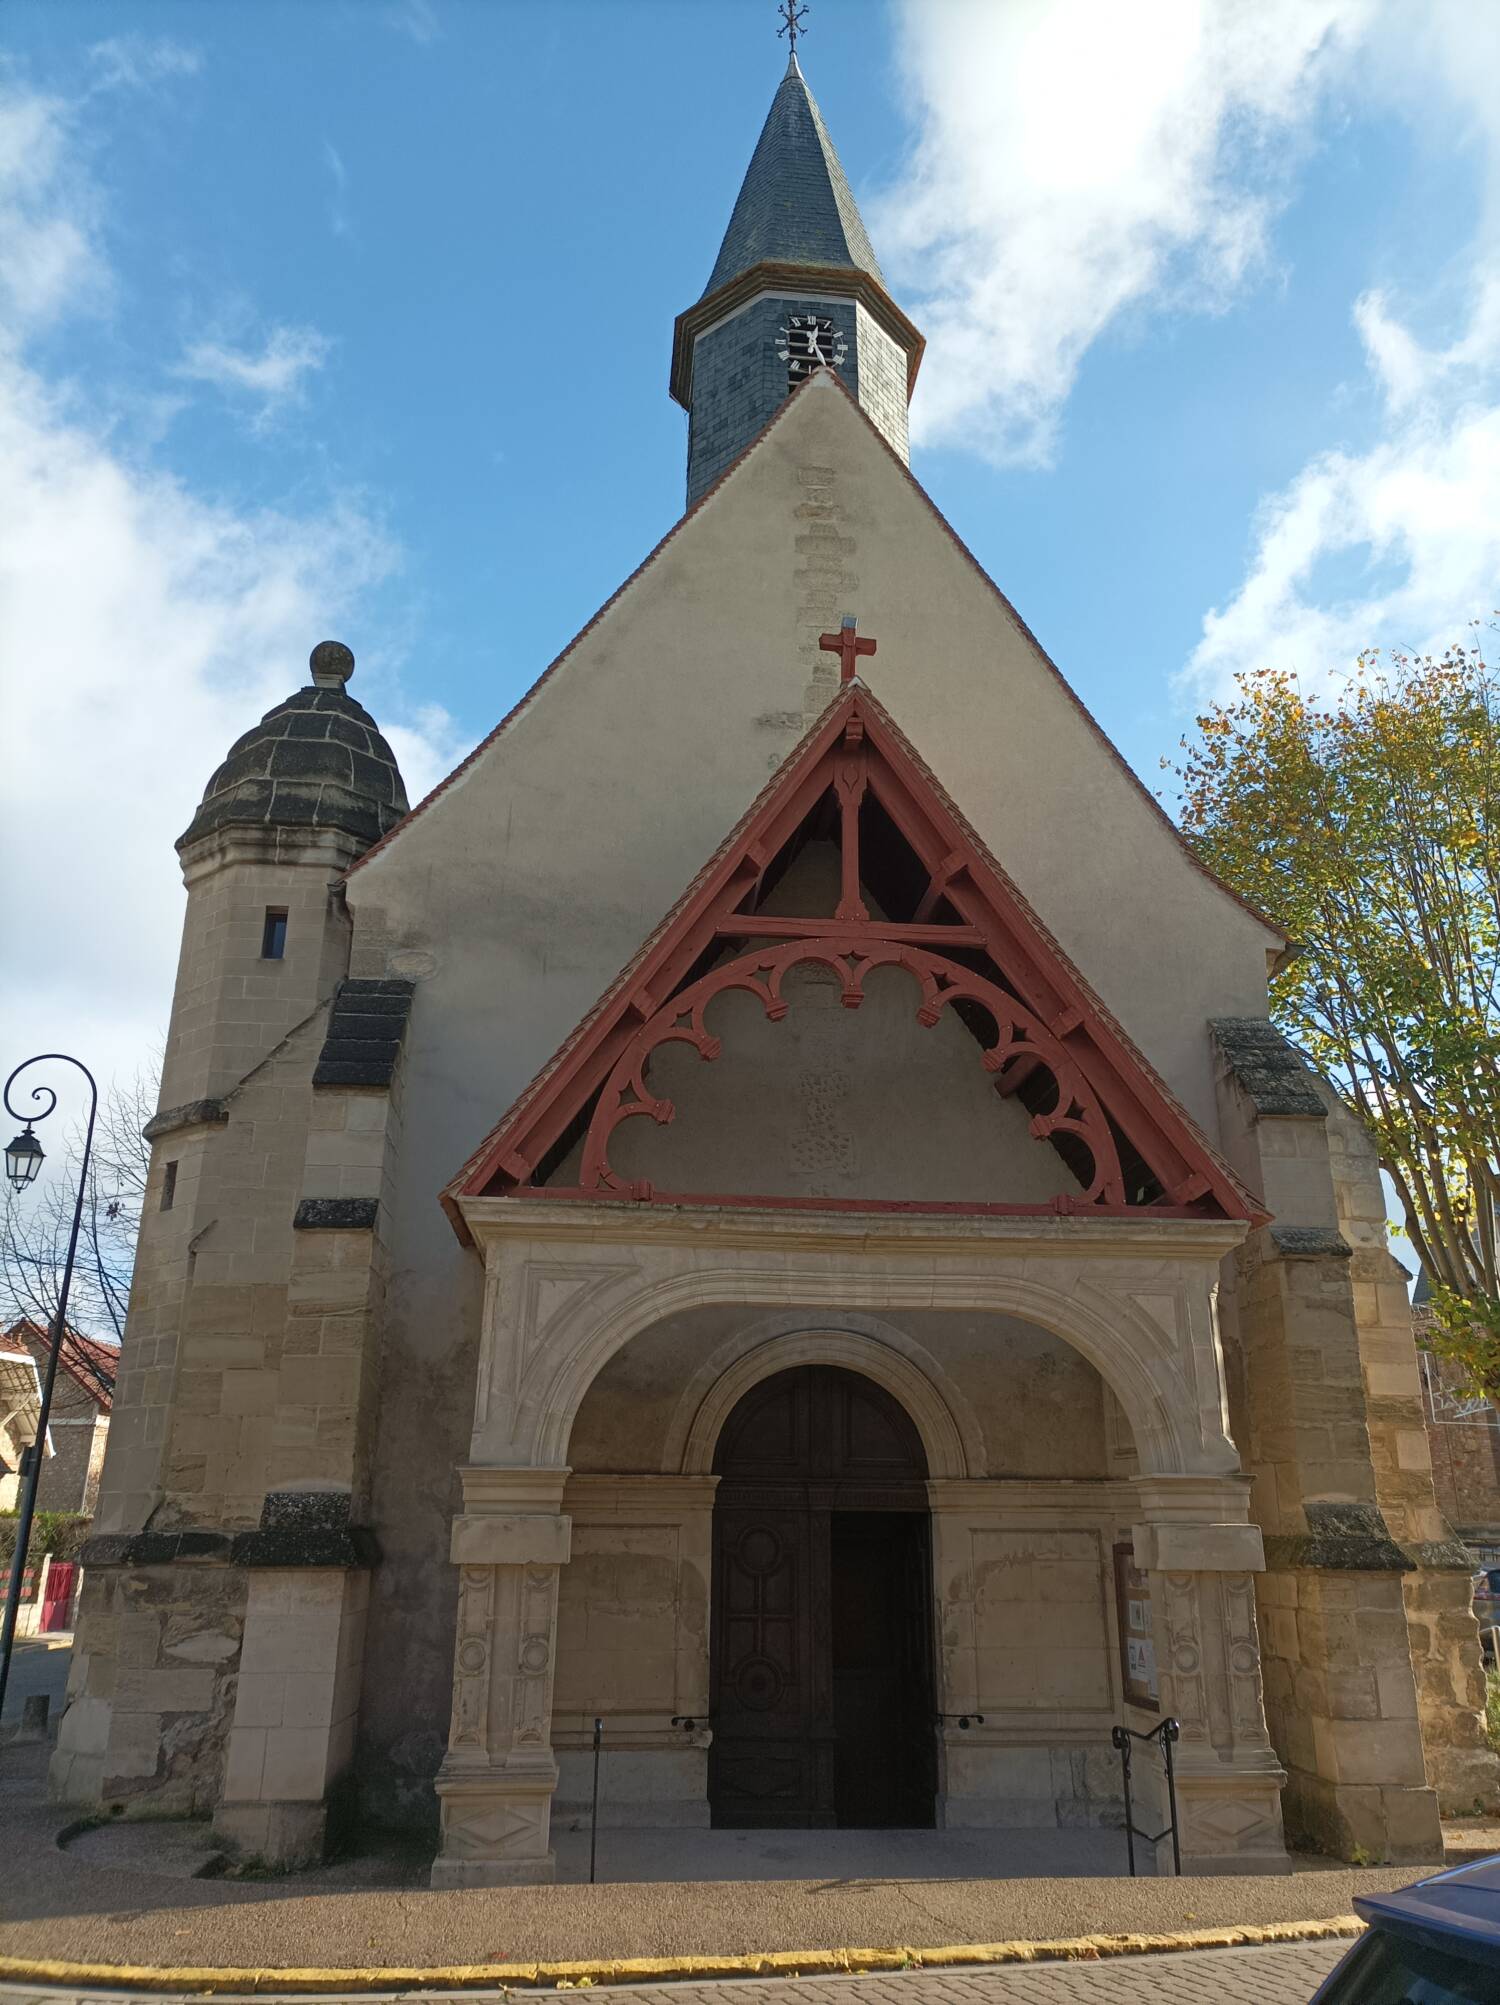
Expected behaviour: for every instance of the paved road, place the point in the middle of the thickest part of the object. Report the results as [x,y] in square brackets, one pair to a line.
[36,1667]
[1284,1975]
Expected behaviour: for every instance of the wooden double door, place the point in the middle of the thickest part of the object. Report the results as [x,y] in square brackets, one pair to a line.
[822,1643]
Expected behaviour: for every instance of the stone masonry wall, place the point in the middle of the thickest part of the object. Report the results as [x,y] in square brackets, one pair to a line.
[1340,1684]
[1442,1632]
[151,1689]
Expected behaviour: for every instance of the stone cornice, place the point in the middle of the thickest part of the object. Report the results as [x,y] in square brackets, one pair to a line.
[891,1233]
[487,1487]
[1089,1498]
[191,1114]
[598,1494]
[796,281]
[266,843]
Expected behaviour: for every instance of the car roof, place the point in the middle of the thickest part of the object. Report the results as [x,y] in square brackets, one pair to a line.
[1463,1902]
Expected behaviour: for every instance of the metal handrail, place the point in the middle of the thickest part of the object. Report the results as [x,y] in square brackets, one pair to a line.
[1167,1732]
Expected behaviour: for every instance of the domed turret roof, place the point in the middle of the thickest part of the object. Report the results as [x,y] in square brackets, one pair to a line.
[316,761]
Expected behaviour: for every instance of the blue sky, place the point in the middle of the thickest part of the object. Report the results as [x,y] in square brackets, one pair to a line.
[339,317]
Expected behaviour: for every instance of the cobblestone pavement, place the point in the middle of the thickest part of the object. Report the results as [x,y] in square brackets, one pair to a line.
[1284,1974]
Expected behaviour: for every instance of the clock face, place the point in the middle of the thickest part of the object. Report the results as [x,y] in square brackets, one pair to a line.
[810,341]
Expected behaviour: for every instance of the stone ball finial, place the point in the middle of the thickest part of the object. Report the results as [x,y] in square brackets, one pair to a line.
[331,663]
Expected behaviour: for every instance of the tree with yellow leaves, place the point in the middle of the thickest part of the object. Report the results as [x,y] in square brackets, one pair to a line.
[1366,821]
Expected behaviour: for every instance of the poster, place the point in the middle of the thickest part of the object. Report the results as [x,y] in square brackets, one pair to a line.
[1137,1646]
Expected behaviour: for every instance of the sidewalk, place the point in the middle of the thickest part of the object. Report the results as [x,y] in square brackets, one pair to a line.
[38,1664]
[376,1910]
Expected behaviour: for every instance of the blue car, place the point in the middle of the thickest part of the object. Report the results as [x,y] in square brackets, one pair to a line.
[1437,1943]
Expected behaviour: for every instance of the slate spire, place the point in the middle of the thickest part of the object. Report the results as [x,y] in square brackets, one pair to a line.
[796,289]
[795,206]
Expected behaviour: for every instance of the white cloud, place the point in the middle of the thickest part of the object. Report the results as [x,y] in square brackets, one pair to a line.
[134,62]
[1075,160]
[1413,521]
[49,249]
[338,204]
[416,18]
[274,376]
[144,625]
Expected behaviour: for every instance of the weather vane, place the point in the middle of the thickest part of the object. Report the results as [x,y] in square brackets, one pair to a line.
[792,16]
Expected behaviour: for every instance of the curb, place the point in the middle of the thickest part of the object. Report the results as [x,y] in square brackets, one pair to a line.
[567,1976]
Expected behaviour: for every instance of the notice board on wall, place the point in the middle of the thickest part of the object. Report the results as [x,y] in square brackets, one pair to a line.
[1137,1642]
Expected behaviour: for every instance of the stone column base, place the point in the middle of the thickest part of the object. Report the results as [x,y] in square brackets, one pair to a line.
[496,1828]
[1228,1824]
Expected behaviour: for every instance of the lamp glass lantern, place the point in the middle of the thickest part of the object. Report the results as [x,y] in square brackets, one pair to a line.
[23,1158]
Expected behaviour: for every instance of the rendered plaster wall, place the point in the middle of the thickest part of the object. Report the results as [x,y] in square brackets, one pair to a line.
[632,1648]
[517,895]
[832,1102]
[1040,1405]
[1028,1636]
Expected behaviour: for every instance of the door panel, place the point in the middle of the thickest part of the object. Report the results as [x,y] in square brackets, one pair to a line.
[769,1762]
[821,1646]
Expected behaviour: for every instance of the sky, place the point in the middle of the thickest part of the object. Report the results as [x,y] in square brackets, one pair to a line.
[352,319]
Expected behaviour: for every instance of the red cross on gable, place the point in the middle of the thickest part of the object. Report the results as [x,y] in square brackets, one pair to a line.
[847,646]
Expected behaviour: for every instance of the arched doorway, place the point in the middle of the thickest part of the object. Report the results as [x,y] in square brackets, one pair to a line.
[822,1644]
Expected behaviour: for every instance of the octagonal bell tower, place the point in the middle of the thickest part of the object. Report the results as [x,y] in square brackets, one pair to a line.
[796,288]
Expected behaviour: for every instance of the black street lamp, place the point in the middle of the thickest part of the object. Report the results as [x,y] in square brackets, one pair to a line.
[23,1158]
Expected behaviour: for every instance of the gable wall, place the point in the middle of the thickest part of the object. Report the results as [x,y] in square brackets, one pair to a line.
[518,895]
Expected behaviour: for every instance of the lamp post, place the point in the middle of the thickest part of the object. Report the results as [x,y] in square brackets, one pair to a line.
[23,1158]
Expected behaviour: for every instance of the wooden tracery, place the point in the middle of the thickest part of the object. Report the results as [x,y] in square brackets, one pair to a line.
[969,944]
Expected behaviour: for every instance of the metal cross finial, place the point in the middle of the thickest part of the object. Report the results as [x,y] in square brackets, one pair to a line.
[792,18]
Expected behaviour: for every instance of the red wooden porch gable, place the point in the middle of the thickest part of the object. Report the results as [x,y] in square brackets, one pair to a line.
[967,938]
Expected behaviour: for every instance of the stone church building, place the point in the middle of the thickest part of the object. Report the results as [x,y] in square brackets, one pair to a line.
[768,1211]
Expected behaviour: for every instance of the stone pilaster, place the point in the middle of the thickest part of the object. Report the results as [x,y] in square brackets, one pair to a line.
[496,1783]
[1203,1558]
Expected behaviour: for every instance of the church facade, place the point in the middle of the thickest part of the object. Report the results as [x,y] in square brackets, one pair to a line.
[767,1212]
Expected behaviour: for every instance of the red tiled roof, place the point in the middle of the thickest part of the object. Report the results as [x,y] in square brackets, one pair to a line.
[82,1357]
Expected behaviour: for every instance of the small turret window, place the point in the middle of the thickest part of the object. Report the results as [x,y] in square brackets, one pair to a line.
[169,1187]
[273,939]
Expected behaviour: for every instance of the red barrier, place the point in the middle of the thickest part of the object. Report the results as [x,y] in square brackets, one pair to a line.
[62,1584]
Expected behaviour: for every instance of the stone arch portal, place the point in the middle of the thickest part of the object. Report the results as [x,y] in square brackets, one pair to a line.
[1150,1334]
